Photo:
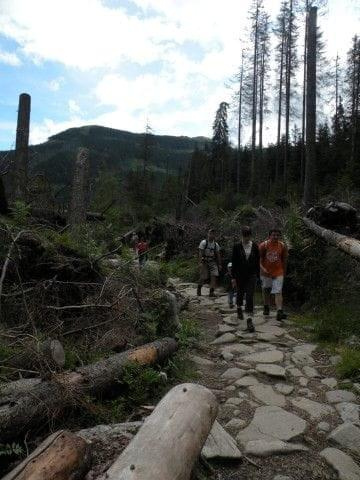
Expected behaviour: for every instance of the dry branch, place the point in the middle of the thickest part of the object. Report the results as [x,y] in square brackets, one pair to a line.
[171,439]
[349,245]
[49,399]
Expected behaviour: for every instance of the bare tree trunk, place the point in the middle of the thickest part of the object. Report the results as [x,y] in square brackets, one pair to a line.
[254,105]
[287,95]
[22,148]
[303,120]
[239,124]
[355,102]
[261,104]
[77,213]
[171,439]
[280,102]
[309,186]
[337,90]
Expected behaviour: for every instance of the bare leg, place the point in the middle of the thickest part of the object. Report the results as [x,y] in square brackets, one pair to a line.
[279,301]
[266,296]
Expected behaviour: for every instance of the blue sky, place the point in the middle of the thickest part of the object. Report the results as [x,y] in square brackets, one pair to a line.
[119,63]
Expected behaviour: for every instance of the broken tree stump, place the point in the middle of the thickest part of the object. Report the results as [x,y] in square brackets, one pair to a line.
[171,438]
[48,399]
[48,355]
[62,456]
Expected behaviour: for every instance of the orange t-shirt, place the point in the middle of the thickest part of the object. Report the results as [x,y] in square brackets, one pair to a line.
[272,256]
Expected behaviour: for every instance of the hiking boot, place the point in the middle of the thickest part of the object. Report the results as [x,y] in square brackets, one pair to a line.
[231,305]
[212,293]
[280,316]
[250,326]
[266,310]
[198,291]
[240,314]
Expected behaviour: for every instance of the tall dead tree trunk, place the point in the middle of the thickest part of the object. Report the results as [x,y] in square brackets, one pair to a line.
[240,123]
[22,148]
[79,194]
[309,186]
[303,116]
[283,37]
[287,95]
[254,102]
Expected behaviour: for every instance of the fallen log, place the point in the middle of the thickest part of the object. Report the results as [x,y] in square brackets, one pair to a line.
[39,356]
[48,399]
[61,456]
[171,438]
[349,245]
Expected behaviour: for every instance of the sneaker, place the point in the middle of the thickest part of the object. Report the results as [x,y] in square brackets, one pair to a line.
[266,310]
[280,316]
[250,326]
[198,291]
[240,314]
[212,293]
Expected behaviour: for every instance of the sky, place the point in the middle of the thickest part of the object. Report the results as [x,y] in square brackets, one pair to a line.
[123,63]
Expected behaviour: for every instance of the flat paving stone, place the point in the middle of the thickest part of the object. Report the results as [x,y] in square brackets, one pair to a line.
[305,347]
[303,381]
[271,370]
[349,412]
[302,358]
[202,361]
[330,382]
[294,372]
[238,348]
[282,477]
[268,356]
[231,320]
[225,338]
[224,329]
[267,395]
[338,396]
[226,355]
[342,463]
[311,372]
[266,337]
[247,381]
[272,423]
[220,445]
[263,448]
[234,401]
[323,427]
[272,329]
[347,436]
[235,423]
[234,373]
[315,410]
[284,388]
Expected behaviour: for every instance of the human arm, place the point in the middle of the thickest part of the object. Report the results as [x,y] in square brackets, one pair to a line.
[285,256]
[262,253]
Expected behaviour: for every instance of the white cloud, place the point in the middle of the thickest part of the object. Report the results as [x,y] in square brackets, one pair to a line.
[9,58]
[55,84]
[74,108]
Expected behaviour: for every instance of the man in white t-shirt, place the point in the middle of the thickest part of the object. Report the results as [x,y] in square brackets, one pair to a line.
[209,262]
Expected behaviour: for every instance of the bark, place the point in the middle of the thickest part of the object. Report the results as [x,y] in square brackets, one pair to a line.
[349,245]
[288,94]
[240,123]
[79,194]
[171,439]
[22,148]
[280,101]
[309,186]
[62,456]
[49,399]
[303,117]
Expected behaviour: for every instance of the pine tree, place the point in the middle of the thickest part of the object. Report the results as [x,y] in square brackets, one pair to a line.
[220,148]
[353,104]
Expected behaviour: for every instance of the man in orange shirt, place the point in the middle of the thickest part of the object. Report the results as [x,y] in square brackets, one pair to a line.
[273,262]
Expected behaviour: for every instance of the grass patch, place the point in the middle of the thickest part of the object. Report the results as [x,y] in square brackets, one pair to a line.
[185,268]
[349,366]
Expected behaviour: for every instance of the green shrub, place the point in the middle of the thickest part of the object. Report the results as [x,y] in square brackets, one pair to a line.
[188,332]
[185,268]
[349,365]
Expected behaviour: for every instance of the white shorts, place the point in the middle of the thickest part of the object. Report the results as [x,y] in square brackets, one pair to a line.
[276,284]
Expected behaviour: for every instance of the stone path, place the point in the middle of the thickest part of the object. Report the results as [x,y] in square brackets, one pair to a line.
[279,398]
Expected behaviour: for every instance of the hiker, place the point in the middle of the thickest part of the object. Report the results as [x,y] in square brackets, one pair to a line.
[142,248]
[209,262]
[229,285]
[273,262]
[245,270]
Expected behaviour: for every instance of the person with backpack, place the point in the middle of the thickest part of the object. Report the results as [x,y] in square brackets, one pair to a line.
[209,262]
[273,262]
[245,271]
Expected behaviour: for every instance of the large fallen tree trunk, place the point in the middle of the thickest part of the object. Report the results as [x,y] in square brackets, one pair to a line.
[62,456]
[171,438]
[349,245]
[48,399]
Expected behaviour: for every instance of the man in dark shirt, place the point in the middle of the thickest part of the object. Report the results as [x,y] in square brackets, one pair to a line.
[245,270]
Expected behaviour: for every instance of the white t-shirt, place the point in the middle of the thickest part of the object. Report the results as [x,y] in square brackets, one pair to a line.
[209,248]
[247,249]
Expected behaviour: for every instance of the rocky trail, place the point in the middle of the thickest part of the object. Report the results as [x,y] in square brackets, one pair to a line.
[283,414]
